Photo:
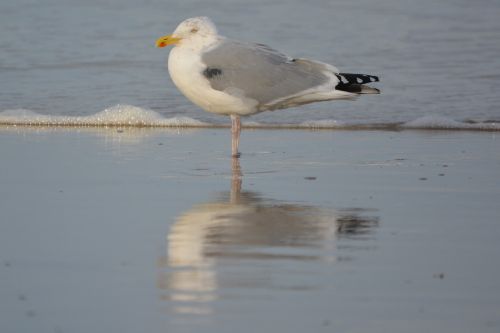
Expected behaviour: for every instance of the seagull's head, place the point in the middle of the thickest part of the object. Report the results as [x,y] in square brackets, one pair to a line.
[196,29]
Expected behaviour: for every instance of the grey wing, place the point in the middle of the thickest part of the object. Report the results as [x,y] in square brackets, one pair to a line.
[259,72]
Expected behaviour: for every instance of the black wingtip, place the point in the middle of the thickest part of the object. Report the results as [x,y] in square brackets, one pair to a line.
[354,83]
[357,78]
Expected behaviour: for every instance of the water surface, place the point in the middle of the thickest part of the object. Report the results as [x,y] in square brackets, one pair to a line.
[77,58]
[126,230]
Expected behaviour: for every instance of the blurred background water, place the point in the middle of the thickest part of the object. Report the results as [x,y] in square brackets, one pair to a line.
[77,58]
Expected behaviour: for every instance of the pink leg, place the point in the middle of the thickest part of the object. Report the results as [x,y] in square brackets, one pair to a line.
[236,180]
[235,135]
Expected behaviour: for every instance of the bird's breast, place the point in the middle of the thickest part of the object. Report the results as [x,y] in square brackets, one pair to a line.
[186,70]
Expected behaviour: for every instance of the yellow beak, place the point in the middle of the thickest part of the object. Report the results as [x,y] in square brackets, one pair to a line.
[167,40]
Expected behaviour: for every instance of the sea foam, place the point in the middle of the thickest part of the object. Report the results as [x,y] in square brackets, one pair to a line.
[118,115]
[439,122]
[133,116]
[323,124]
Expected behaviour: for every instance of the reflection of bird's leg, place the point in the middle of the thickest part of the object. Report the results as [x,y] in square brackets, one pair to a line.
[235,135]
[236,180]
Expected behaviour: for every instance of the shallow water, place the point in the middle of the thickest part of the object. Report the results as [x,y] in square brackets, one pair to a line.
[78,58]
[110,230]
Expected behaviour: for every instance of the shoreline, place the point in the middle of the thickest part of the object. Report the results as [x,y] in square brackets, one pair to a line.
[132,116]
[397,127]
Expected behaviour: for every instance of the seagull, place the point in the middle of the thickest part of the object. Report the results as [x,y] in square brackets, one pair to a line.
[229,77]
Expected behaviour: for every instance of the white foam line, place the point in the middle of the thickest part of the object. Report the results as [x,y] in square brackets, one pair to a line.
[439,122]
[132,116]
[119,115]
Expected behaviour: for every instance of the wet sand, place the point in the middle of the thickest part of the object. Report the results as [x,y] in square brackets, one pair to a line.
[156,230]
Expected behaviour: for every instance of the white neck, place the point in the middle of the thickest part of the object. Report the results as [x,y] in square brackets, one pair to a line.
[198,43]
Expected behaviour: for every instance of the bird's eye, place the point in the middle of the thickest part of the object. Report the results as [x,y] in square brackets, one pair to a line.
[194,30]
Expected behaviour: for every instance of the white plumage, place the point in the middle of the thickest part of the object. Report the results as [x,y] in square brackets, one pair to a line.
[232,78]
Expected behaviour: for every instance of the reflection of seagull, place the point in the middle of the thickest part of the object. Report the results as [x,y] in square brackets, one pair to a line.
[244,225]
[238,222]
[240,79]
